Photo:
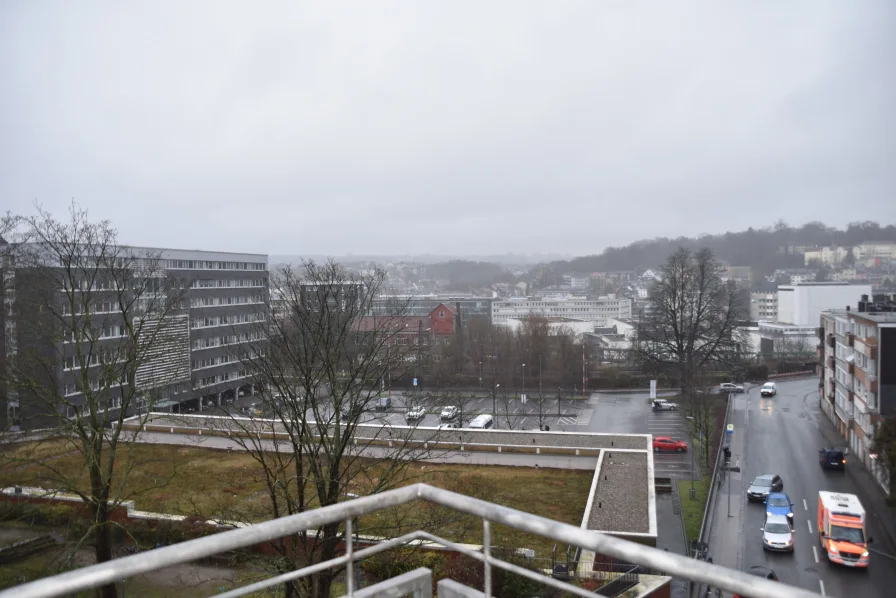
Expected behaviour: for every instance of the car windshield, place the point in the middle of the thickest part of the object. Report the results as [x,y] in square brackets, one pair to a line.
[764,482]
[854,535]
[778,501]
[777,528]
[769,386]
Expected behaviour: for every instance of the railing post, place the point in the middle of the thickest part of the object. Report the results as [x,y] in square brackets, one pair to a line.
[350,565]
[487,553]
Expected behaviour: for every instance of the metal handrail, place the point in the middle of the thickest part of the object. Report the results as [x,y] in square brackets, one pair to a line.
[192,550]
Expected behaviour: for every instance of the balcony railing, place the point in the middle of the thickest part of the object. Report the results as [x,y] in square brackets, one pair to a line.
[850,339]
[415,581]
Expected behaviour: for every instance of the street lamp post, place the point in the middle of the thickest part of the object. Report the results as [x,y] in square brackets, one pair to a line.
[480,374]
[523,384]
[495,404]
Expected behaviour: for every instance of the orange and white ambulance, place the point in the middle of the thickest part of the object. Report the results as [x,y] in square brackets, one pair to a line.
[841,528]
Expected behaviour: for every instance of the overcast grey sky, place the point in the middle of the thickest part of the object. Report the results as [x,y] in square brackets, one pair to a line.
[451,127]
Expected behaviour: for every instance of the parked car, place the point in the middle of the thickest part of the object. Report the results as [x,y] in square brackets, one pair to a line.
[660,405]
[728,387]
[769,389]
[760,571]
[482,422]
[665,443]
[448,426]
[448,413]
[415,413]
[383,404]
[777,534]
[778,503]
[764,485]
[832,458]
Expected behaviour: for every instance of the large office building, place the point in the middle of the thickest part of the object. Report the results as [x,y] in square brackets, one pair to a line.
[857,384]
[598,311]
[193,359]
[798,308]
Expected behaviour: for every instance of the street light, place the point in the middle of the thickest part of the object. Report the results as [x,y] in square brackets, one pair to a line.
[480,374]
[495,404]
[523,385]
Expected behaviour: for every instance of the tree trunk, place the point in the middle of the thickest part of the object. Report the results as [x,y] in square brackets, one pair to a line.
[103,547]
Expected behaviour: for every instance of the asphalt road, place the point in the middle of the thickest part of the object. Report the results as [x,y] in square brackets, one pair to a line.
[783,437]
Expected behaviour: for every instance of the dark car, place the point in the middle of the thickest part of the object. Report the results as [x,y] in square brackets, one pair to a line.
[763,485]
[831,458]
[383,404]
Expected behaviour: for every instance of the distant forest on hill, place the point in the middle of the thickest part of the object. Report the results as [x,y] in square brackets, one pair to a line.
[765,249]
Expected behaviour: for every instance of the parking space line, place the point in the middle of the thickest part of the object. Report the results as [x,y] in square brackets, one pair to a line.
[806,508]
[809,525]
[815,553]
[821,583]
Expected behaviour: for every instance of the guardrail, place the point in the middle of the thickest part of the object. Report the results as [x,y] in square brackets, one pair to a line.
[671,564]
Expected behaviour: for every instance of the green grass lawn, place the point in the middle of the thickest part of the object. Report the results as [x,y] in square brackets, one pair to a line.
[229,485]
[692,510]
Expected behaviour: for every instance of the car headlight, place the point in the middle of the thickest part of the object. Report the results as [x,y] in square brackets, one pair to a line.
[865,554]
[768,513]
[788,542]
[832,548]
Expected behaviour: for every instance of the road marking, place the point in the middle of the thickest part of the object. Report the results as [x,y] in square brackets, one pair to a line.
[805,505]
[821,583]
[809,525]
[815,553]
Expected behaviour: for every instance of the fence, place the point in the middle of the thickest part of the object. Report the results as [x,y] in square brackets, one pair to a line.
[623,550]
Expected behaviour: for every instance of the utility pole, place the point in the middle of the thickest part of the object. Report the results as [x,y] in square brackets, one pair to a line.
[584,379]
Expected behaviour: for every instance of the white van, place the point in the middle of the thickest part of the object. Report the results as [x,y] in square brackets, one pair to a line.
[482,422]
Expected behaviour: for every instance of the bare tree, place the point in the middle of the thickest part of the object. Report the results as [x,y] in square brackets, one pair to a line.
[694,319]
[320,369]
[98,338]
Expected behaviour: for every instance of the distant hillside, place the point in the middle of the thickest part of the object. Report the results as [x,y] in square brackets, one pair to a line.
[765,249]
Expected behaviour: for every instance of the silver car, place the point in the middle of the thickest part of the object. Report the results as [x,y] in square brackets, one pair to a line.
[777,534]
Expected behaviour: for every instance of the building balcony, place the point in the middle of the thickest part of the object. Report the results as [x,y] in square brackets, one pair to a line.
[832,341]
[851,368]
[647,561]
[830,362]
[820,333]
[844,413]
[850,339]
[872,384]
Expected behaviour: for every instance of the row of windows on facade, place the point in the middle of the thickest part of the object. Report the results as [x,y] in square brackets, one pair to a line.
[221,378]
[219,301]
[228,339]
[856,328]
[212,265]
[228,283]
[88,335]
[226,320]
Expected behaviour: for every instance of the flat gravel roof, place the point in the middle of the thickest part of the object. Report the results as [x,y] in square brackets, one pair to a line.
[621,501]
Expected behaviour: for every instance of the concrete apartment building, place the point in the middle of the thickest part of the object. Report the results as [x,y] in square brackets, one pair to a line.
[857,384]
[764,306]
[597,311]
[799,307]
[223,307]
[875,253]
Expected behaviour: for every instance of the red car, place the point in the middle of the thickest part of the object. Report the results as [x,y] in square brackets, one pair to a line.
[665,443]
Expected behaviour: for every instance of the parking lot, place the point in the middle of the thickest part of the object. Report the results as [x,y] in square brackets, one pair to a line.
[564,415]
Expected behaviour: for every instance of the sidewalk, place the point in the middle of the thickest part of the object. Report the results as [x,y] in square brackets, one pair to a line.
[670,534]
[727,522]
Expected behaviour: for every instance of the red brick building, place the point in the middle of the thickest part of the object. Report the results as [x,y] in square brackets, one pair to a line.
[413,330]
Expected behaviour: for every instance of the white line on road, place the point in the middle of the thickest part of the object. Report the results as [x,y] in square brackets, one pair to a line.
[821,583]
[809,525]
[806,507]
[815,553]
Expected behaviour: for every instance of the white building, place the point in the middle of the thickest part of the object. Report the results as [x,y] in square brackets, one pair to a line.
[875,253]
[597,311]
[576,328]
[802,304]
[829,256]
[799,309]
